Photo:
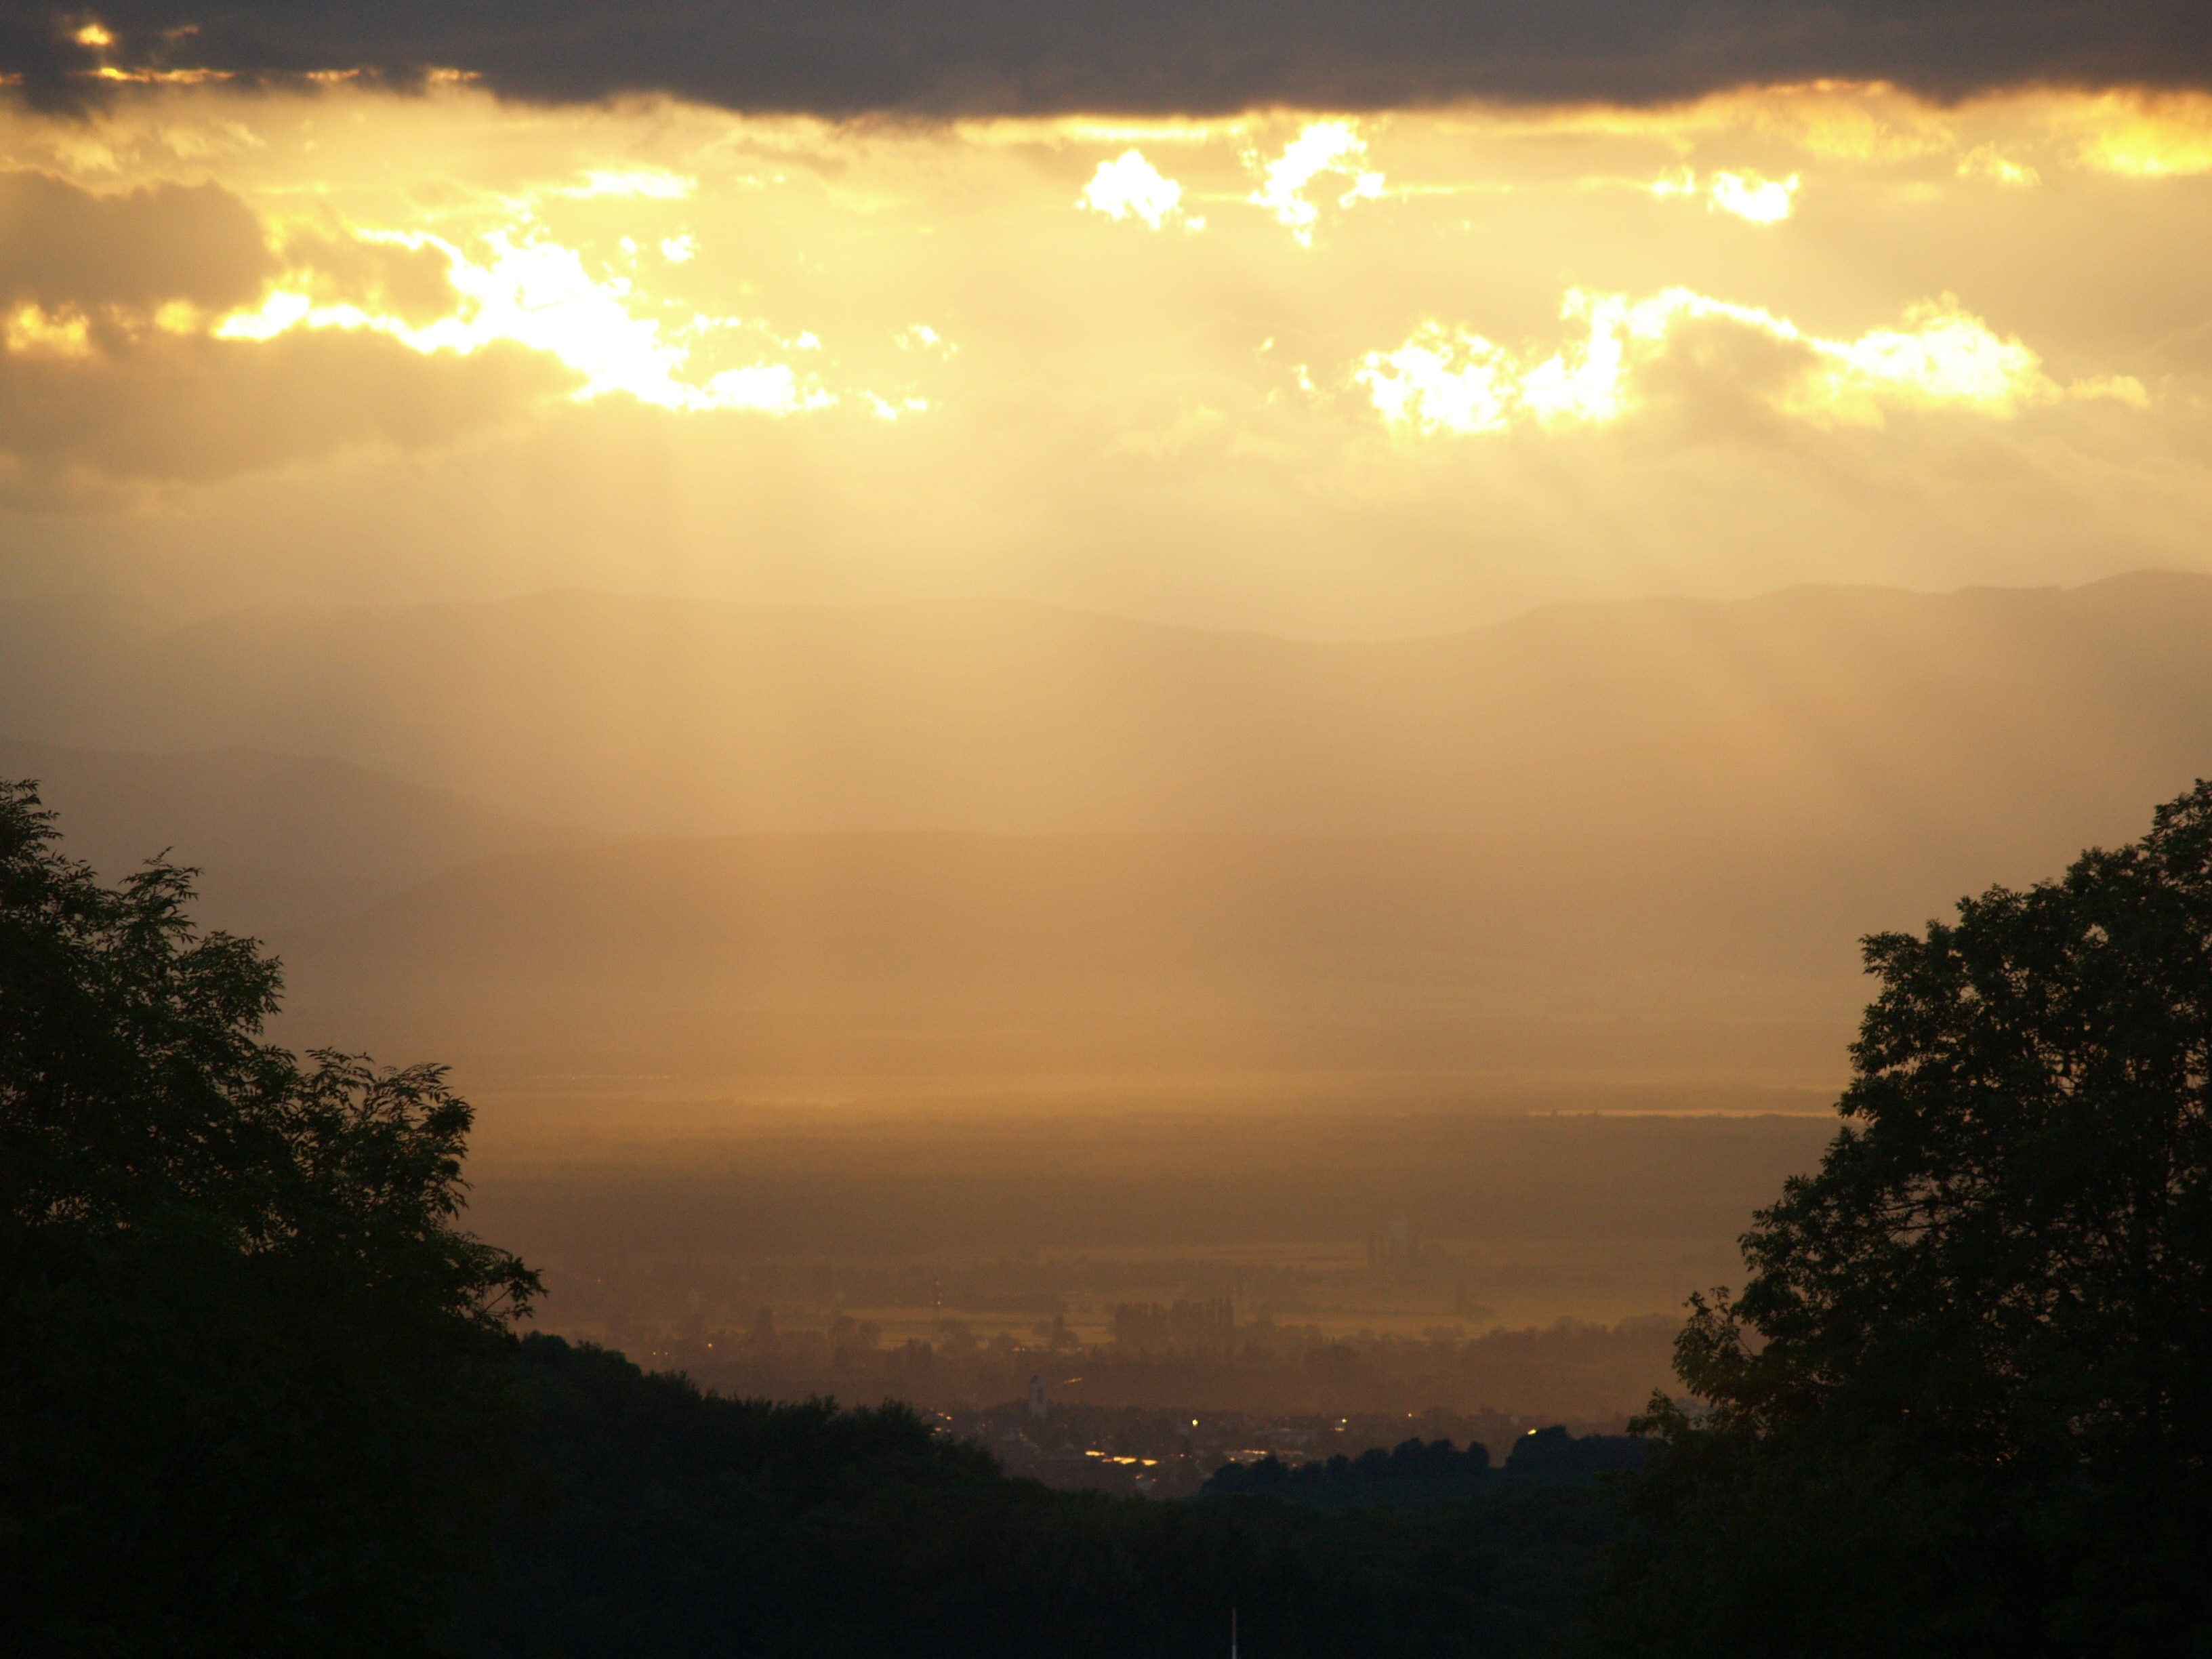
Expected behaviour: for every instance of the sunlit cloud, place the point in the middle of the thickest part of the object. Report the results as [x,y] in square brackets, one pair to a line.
[1321,147]
[31,330]
[648,184]
[1130,187]
[2120,388]
[207,141]
[2141,136]
[1091,129]
[634,265]
[95,36]
[1746,194]
[1987,161]
[536,292]
[1448,380]
[769,388]
[1830,120]
[885,408]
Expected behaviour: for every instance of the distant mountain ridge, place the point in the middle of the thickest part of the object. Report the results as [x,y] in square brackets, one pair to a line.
[972,838]
[1808,711]
[943,953]
[283,842]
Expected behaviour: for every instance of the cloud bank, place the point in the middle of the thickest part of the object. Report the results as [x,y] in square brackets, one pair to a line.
[116,364]
[1680,346]
[979,57]
[355,343]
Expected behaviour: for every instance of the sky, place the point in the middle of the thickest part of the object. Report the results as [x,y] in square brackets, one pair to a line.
[1240,317]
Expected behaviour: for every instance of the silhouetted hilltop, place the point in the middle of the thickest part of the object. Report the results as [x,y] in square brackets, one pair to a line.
[1417,1474]
[670,1520]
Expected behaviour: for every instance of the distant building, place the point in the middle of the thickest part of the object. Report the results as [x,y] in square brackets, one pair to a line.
[1146,1325]
[1038,1405]
[1392,1248]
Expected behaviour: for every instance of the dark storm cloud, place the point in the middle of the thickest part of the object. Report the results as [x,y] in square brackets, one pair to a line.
[1193,57]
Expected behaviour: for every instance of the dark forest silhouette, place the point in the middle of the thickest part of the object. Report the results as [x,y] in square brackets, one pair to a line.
[695,1525]
[1964,1404]
[247,1395]
[261,1392]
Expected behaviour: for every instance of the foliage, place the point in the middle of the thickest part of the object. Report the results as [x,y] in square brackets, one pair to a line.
[676,1523]
[1417,1472]
[1413,1473]
[1555,1453]
[1964,1404]
[247,1400]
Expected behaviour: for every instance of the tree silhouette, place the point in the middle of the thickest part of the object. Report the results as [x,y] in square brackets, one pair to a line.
[248,1394]
[1963,1403]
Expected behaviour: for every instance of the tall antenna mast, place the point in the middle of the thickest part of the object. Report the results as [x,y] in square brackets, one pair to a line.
[1233,1633]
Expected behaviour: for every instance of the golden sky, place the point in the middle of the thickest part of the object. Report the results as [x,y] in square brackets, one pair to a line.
[1316,373]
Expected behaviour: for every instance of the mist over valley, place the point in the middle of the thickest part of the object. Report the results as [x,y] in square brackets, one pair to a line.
[817,960]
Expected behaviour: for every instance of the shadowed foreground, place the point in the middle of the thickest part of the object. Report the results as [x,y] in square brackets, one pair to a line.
[672,1523]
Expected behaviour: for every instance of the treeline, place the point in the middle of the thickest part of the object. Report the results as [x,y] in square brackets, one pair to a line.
[260,1395]
[1172,1454]
[1414,1474]
[1417,1471]
[260,1392]
[1567,1370]
[248,1392]
[668,1522]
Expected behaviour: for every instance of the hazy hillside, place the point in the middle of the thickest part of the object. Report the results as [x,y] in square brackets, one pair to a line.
[281,841]
[2056,716]
[1007,838]
[956,954]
